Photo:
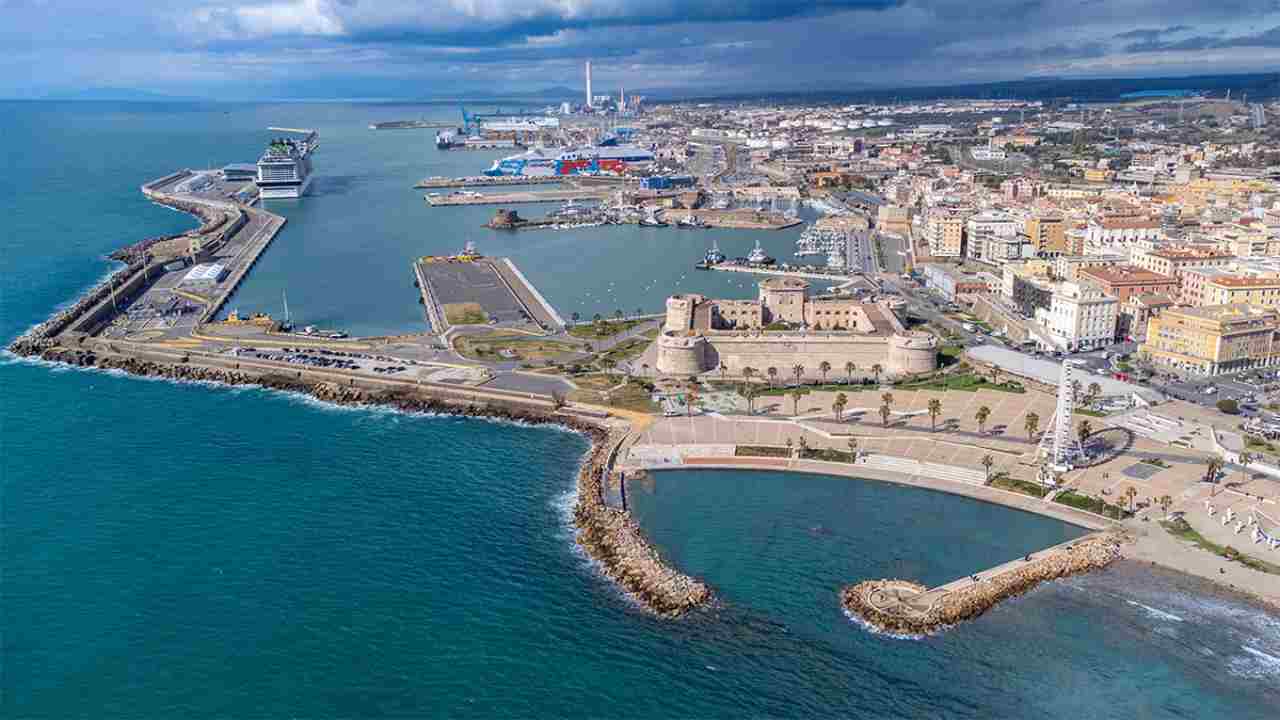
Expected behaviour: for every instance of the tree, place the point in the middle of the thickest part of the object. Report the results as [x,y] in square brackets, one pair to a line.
[644,368]
[884,414]
[751,399]
[1075,389]
[853,448]
[789,444]
[773,374]
[619,314]
[723,367]
[690,398]
[795,400]
[887,398]
[1084,430]
[987,462]
[1212,467]
[1095,391]
[935,409]
[1130,493]
[824,367]
[576,317]
[557,399]
[1229,406]
[995,375]
[639,311]
[1032,424]
[876,370]
[1245,459]
[839,405]
[597,318]
[983,414]
[849,369]
[804,445]
[1166,502]
[798,370]
[747,372]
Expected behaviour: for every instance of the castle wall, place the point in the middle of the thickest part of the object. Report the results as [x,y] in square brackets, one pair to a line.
[784,352]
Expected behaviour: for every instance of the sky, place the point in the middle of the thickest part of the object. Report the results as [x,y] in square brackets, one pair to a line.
[266,49]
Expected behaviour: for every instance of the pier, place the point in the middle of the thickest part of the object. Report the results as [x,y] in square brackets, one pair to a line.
[486,181]
[514,198]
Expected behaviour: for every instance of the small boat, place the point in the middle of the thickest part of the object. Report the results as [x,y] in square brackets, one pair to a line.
[759,257]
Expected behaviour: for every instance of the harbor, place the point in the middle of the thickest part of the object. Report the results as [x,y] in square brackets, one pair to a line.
[435,183]
[517,197]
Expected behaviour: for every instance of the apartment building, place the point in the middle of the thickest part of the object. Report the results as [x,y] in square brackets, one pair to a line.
[1080,316]
[1124,281]
[1212,340]
[944,231]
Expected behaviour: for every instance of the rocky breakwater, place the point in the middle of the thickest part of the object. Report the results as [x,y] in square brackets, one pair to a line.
[613,538]
[907,608]
[39,339]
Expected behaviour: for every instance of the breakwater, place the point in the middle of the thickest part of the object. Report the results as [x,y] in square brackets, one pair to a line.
[908,608]
[609,535]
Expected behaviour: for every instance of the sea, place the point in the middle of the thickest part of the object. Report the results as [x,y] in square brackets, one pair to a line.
[188,550]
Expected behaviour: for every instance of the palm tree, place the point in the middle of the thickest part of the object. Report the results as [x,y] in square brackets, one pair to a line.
[1084,430]
[751,400]
[935,409]
[795,401]
[619,314]
[1212,467]
[597,318]
[884,414]
[849,369]
[1032,424]
[1245,459]
[995,375]
[804,445]
[1095,390]
[853,448]
[644,368]
[690,398]
[1166,502]
[798,370]
[876,370]
[1130,493]
[747,372]
[723,367]
[987,462]
[639,311]
[789,444]
[773,374]
[983,414]
[887,398]
[824,367]
[838,406]
[1075,389]
[576,317]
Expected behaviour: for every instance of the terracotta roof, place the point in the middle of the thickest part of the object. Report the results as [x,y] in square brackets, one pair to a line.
[1125,274]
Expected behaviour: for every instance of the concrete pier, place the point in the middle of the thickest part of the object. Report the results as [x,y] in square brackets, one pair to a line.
[512,198]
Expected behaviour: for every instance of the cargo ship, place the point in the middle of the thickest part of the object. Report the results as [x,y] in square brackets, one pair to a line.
[585,160]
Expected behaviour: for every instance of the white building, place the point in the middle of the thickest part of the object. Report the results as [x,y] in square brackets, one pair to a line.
[1117,234]
[993,237]
[1080,316]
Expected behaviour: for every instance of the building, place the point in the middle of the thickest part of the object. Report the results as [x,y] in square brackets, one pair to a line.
[1212,340]
[1112,234]
[993,237]
[1047,233]
[1136,312]
[785,327]
[1172,260]
[1221,287]
[953,284]
[1080,316]
[1125,281]
[1068,267]
[944,230]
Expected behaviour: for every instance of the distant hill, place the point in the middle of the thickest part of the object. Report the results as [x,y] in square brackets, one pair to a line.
[118,95]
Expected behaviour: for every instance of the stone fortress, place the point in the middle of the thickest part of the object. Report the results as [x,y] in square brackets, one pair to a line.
[703,334]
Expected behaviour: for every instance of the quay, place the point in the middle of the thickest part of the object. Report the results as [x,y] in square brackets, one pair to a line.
[735,219]
[731,267]
[513,198]
[486,181]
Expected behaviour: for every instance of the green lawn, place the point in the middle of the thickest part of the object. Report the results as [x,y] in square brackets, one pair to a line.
[1004,482]
[782,389]
[1090,413]
[761,451]
[1084,502]
[1182,529]
[601,330]
[967,382]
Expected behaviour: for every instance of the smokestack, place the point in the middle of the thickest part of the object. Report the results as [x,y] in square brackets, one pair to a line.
[588,83]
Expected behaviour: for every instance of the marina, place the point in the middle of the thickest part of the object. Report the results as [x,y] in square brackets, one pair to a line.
[484,181]
[516,197]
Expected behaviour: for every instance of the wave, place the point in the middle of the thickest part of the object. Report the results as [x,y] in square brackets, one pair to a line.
[1156,613]
[1255,664]
[877,631]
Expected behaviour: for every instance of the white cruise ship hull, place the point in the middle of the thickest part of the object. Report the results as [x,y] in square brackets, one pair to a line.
[273,192]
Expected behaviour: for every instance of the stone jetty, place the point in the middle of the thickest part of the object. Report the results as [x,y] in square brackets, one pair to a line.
[903,607]
[609,535]
[615,540]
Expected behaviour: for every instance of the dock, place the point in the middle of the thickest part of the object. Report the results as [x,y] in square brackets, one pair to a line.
[486,181]
[735,219]
[514,198]
[731,267]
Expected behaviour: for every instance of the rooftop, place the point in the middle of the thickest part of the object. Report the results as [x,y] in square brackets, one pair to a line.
[1124,274]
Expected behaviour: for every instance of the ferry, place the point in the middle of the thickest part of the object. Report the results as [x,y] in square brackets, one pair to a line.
[713,257]
[584,160]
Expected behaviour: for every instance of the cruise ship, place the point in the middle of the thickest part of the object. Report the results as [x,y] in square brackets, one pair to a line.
[585,160]
[284,170]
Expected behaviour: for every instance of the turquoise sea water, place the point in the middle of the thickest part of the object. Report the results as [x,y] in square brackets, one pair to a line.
[192,551]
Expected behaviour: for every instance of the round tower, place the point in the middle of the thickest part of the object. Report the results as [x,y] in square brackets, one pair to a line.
[913,352]
[680,312]
[681,353]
